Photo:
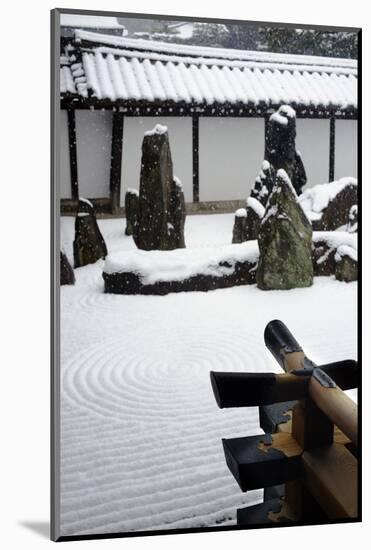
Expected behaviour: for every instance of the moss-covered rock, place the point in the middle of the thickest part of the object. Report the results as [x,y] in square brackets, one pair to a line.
[346,264]
[285,241]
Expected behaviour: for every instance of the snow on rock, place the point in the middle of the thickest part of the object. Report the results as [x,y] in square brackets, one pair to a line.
[158,129]
[86,201]
[177,265]
[241,213]
[317,198]
[255,205]
[133,192]
[346,250]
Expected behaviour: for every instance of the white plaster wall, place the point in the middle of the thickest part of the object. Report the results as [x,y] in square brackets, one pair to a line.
[180,136]
[345,148]
[231,153]
[65,170]
[94,137]
[313,142]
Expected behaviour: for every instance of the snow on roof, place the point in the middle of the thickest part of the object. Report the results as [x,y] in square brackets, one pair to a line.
[89,21]
[120,68]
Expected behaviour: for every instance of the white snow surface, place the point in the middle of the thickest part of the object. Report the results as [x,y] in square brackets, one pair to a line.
[140,429]
[314,200]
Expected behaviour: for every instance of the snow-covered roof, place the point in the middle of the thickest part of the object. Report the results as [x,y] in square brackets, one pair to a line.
[89,21]
[119,68]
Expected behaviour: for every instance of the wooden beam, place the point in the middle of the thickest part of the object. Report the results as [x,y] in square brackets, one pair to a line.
[332,149]
[243,389]
[195,157]
[116,159]
[73,153]
[264,460]
[331,477]
[337,406]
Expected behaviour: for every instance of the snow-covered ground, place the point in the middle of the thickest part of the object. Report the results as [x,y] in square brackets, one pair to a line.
[140,429]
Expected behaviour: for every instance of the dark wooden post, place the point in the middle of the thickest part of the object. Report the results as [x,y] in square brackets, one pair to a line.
[116,158]
[195,157]
[73,152]
[332,149]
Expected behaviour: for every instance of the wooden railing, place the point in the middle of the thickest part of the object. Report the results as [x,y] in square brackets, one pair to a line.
[307,460]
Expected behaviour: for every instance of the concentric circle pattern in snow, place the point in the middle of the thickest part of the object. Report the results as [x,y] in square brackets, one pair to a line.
[140,429]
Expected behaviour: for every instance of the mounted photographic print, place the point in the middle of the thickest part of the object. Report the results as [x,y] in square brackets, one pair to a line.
[205,275]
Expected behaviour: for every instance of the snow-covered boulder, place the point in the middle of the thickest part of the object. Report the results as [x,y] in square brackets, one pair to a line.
[161,209]
[326,245]
[285,241]
[346,264]
[329,205]
[162,272]
[89,245]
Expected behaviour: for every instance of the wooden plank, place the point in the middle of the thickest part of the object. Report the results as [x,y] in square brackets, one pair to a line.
[242,389]
[72,145]
[262,461]
[195,157]
[116,159]
[331,477]
[310,426]
[269,512]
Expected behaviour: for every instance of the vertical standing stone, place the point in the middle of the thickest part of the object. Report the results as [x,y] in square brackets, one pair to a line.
[176,215]
[280,153]
[161,202]
[247,221]
[67,275]
[131,210]
[89,245]
[285,241]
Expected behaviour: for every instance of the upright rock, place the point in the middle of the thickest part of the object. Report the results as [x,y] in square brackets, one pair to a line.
[176,216]
[67,275]
[280,153]
[89,245]
[161,211]
[285,241]
[131,210]
[247,221]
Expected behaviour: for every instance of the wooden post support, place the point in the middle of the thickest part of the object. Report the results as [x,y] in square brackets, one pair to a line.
[116,159]
[195,157]
[332,149]
[73,153]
